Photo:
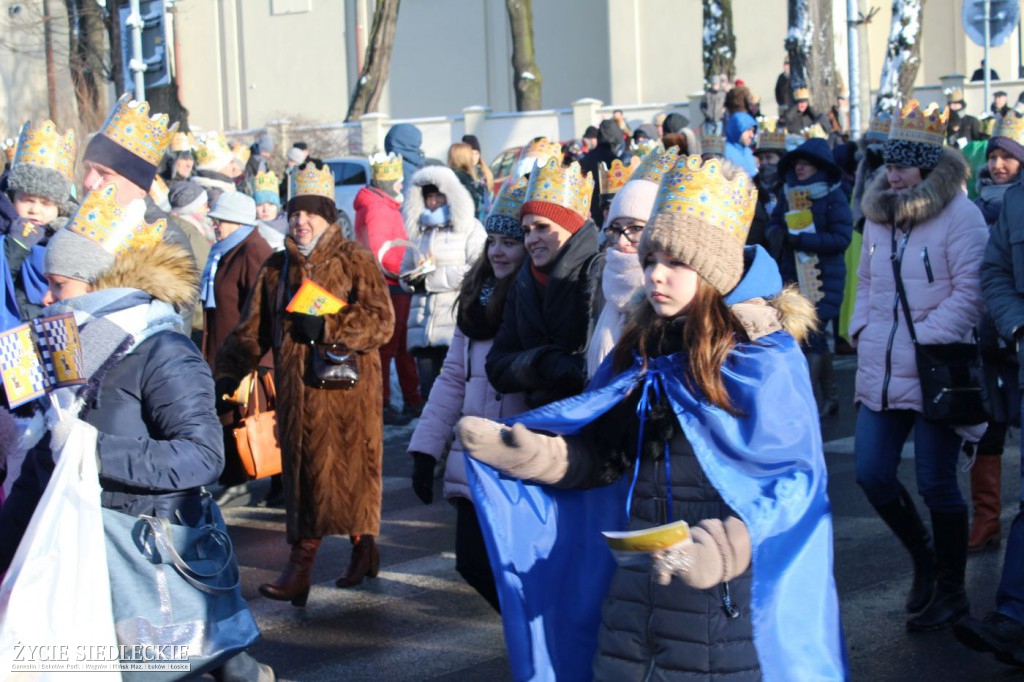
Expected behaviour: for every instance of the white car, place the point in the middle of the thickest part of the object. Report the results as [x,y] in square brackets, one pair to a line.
[351,174]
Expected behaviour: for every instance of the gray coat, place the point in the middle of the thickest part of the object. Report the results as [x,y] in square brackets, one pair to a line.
[1002,270]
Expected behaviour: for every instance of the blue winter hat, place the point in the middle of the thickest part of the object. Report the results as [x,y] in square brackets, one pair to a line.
[266,196]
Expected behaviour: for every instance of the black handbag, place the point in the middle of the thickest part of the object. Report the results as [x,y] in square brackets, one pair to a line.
[334,366]
[952,380]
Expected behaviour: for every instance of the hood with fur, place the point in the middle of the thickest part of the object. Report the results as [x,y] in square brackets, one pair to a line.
[460,204]
[165,271]
[914,206]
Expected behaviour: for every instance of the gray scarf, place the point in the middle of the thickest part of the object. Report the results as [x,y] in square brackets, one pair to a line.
[307,249]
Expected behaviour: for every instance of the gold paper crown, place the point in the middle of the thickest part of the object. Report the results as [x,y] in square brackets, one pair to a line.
[771,139]
[712,144]
[131,127]
[801,93]
[1011,126]
[815,131]
[881,124]
[927,126]
[562,186]
[241,151]
[159,190]
[386,167]
[114,227]
[182,142]
[644,148]
[315,182]
[700,190]
[542,148]
[213,149]
[266,182]
[954,95]
[510,199]
[612,179]
[43,146]
[656,164]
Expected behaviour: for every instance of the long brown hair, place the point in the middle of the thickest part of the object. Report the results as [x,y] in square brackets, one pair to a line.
[473,283]
[709,333]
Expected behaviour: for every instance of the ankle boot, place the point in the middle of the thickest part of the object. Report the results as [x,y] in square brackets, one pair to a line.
[901,516]
[829,390]
[986,477]
[294,583]
[365,561]
[950,602]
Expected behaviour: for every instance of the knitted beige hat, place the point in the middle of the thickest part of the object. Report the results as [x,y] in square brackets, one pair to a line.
[702,216]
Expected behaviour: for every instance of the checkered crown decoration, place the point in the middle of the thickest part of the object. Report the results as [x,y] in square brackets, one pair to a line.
[613,178]
[563,186]
[131,127]
[118,229]
[699,189]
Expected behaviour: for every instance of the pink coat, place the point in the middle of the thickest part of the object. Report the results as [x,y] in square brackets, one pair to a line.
[941,274]
[462,389]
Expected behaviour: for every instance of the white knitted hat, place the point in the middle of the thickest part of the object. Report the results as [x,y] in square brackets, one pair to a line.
[634,200]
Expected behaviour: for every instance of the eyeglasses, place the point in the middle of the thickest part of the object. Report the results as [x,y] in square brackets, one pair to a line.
[632,233]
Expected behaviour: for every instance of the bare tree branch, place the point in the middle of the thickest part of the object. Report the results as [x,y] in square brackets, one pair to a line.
[526,73]
[377,63]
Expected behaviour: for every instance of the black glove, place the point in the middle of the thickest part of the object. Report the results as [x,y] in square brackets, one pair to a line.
[793,240]
[221,388]
[308,327]
[423,476]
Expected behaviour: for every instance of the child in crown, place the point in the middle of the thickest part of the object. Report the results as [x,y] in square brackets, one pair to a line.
[702,413]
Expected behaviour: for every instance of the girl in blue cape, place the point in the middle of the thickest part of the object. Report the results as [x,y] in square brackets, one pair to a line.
[703,412]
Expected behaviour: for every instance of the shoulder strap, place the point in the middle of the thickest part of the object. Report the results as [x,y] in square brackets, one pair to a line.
[901,293]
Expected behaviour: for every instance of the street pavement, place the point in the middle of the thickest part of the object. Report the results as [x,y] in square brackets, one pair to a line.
[419,620]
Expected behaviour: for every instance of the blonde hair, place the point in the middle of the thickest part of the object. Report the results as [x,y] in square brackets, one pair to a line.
[460,157]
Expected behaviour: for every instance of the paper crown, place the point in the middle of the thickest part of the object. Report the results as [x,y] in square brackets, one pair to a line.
[159,190]
[386,167]
[771,139]
[644,148]
[116,228]
[656,164]
[131,127]
[542,148]
[699,189]
[815,131]
[1011,126]
[241,151]
[881,124]
[312,181]
[712,144]
[563,186]
[266,182]
[510,199]
[612,179]
[9,147]
[212,150]
[44,147]
[954,95]
[182,142]
[927,126]
[801,93]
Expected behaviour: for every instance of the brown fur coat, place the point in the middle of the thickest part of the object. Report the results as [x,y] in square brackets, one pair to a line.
[331,439]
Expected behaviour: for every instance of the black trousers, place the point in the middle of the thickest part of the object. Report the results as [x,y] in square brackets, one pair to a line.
[471,553]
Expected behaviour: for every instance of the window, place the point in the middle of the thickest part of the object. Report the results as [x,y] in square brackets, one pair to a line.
[347,173]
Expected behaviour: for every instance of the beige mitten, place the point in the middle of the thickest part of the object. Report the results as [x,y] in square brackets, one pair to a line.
[516,450]
[719,552]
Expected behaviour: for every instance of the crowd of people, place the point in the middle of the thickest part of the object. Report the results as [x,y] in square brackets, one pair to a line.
[633,329]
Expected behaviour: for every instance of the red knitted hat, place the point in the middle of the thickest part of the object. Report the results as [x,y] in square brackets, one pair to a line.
[565,217]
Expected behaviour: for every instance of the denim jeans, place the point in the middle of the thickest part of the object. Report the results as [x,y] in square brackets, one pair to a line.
[878,442]
[1010,595]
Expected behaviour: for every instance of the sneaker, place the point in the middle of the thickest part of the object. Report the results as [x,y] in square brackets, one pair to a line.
[393,417]
[995,633]
[412,410]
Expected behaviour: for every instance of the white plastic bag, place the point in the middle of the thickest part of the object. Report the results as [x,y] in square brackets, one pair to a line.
[56,592]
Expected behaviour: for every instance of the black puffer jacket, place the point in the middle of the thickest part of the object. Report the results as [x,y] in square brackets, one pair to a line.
[541,346]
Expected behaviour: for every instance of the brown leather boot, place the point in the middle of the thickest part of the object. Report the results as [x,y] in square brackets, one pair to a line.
[986,477]
[365,561]
[293,585]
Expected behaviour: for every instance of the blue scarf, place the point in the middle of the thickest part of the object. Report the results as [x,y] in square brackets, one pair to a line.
[217,251]
[10,316]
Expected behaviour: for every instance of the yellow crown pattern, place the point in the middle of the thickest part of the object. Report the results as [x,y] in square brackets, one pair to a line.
[927,126]
[159,190]
[880,126]
[241,152]
[801,93]
[116,228]
[656,164]
[612,179]
[386,167]
[266,182]
[182,142]
[43,146]
[700,190]
[712,144]
[1011,126]
[315,182]
[131,126]
[562,186]
[510,199]
[212,148]
[542,148]
[644,148]
[773,140]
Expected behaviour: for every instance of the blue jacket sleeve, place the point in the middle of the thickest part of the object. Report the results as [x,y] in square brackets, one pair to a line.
[834,236]
[999,283]
[185,446]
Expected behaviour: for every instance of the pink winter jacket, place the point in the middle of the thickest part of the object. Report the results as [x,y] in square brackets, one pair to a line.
[462,389]
[941,274]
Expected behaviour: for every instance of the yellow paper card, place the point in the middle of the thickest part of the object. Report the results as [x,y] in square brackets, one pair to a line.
[799,220]
[313,299]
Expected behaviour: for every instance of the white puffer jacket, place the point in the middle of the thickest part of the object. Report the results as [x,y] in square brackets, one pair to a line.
[453,249]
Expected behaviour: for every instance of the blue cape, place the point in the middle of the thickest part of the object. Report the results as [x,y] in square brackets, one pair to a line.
[552,566]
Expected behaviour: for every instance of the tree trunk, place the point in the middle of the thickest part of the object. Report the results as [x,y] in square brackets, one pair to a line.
[526,74]
[719,41]
[87,43]
[810,45]
[377,61]
[902,57]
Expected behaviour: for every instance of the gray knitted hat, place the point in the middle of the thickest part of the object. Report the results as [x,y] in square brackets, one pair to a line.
[69,254]
[42,182]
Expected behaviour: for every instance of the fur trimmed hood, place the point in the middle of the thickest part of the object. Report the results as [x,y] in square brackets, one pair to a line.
[460,203]
[165,271]
[914,206]
[789,311]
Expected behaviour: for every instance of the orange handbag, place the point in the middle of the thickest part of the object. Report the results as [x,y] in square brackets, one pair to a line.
[259,446]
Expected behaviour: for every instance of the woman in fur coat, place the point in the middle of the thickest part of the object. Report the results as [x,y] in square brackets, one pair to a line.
[331,439]
[440,220]
[918,218]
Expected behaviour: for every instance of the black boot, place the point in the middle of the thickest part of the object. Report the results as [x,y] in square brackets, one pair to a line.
[901,516]
[950,602]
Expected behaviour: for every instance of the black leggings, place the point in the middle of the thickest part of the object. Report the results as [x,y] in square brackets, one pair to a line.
[471,553]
